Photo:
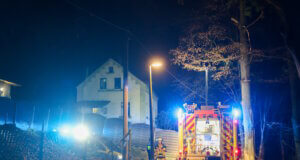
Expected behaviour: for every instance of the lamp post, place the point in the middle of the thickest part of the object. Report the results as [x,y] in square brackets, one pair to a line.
[151,109]
[206,85]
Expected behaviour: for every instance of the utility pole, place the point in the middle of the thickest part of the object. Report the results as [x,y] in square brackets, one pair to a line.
[125,101]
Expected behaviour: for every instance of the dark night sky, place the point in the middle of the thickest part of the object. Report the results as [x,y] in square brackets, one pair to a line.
[46,46]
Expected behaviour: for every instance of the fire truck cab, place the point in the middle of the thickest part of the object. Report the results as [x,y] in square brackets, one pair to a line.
[207,132]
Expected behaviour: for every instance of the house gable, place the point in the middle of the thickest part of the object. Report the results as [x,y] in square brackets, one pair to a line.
[114,63]
[109,62]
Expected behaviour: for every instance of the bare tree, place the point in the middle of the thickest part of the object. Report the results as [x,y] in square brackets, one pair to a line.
[215,47]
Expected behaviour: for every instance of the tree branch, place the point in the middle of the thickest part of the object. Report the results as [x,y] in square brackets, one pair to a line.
[256,20]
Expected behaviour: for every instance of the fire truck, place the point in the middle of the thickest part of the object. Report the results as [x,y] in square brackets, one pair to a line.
[208,133]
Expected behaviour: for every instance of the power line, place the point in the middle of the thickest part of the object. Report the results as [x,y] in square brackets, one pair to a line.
[97,17]
[130,34]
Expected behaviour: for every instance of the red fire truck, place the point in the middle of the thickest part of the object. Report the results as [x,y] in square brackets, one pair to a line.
[208,132]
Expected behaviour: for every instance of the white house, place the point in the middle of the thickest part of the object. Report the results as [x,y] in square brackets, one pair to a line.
[102,93]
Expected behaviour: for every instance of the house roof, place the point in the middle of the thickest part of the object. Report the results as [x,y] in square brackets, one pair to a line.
[116,63]
[9,83]
[119,65]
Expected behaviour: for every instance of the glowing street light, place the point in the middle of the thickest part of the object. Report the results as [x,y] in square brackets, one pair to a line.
[156,65]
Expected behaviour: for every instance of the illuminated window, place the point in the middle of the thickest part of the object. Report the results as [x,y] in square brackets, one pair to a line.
[103,83]
[117,83]
[95,110]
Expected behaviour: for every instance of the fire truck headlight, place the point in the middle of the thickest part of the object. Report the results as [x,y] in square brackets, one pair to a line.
[236,113]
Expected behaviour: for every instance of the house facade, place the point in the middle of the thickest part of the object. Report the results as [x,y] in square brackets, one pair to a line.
[102,93]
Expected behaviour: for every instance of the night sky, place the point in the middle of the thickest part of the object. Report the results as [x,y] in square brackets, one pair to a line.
[47,46]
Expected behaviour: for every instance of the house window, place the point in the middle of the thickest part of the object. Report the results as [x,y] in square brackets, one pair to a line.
[103,83]
[117,83]
[95,110]
[111,70]
[129,114]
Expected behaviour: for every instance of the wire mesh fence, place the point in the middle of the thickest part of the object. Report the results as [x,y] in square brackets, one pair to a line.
[16,144]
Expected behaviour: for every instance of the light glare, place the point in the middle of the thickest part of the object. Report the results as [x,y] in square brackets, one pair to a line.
[65,130]
[179,114]
[235,121]
[157,64]
[236,113]
[81,132]
[120,156]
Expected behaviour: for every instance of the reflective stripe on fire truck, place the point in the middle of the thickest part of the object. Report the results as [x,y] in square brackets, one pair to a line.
[189,134]
[227,136]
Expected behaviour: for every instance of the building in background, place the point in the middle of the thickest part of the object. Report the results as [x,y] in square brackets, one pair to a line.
[102,93]
[5,88]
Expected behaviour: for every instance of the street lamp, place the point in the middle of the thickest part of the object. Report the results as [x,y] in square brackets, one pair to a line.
[156,64]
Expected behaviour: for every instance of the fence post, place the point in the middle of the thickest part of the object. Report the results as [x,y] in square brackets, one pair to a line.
[47,122]
[14,114]
[32,118]
[129,146]
[6,118]
[42,142]
[85,150]
[60,115]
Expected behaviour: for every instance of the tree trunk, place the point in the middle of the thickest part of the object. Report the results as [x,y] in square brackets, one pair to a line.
[281,147]
[294,87]
[261,150]
[249,153]
[261,145]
